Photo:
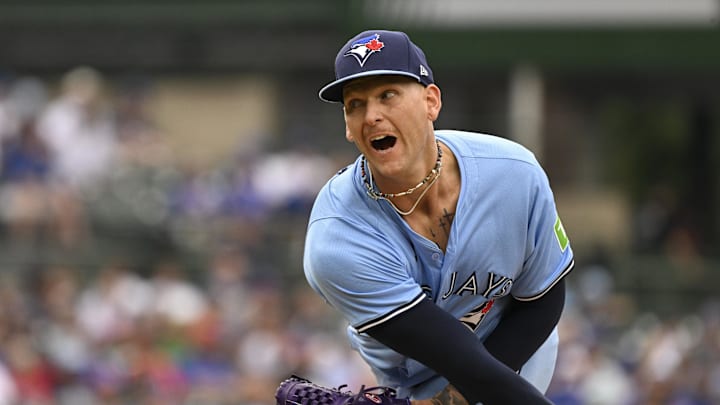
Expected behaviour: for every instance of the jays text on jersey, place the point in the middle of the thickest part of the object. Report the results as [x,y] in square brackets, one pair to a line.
[506,240]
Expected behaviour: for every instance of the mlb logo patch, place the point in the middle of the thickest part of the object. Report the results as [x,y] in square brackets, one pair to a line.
[364,47]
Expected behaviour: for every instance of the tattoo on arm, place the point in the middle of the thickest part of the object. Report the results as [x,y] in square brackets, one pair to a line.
[448,396]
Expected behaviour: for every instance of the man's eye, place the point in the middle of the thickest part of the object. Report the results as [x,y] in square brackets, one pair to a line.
[388,94]
[352,104]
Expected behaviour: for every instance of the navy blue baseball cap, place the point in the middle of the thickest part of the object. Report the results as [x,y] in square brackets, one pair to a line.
[377,52]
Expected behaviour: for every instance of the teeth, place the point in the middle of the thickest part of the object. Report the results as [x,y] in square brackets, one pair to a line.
[377,138]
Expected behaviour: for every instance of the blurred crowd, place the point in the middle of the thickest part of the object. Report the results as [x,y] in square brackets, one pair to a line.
[614,352]
[82,161]
[121,338]
[77,164]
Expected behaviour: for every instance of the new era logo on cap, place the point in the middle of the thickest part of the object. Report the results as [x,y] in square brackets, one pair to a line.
[377,52]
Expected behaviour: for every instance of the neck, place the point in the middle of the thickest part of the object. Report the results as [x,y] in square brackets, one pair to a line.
[425,184]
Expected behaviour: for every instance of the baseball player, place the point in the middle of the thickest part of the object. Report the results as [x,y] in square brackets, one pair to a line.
[443,249]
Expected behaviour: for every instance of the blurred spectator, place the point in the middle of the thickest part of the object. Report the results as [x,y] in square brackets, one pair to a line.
[228,287]
[33,375]
[9,118]
[8,389]
[176,300]
[98,314]
[28,97]
[79,129]
[25,156]
[290,180]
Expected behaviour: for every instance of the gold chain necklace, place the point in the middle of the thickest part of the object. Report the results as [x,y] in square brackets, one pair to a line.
[431,178]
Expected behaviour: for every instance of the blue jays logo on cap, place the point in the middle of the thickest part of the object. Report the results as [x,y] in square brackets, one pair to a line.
[364,47]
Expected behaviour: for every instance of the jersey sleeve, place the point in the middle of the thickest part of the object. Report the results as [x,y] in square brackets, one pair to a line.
[358,272]
[548,255]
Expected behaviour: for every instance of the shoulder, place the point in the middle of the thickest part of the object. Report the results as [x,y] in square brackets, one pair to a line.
[338,196]
[469,145]
[344,219]
[486,158]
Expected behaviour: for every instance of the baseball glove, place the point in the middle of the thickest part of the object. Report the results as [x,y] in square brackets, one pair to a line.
[299,391]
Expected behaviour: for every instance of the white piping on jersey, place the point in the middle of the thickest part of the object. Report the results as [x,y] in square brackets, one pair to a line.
[557,280]
[362,328]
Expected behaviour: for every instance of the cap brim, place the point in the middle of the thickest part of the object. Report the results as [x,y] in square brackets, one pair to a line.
[332,92]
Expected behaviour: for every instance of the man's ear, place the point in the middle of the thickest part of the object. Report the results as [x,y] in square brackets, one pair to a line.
[433,97]
[348,135]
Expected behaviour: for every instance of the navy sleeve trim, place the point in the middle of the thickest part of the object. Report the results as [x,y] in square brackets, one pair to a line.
[557,280]
[378,321]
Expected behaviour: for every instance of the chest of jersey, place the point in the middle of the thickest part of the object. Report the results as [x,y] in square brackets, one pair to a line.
[484,255]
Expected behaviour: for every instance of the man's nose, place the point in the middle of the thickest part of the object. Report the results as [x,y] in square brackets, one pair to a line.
[373,113]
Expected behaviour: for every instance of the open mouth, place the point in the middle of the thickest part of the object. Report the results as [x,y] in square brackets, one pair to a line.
[384,143]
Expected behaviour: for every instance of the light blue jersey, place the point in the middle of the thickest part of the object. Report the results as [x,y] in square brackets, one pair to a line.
[506,240]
